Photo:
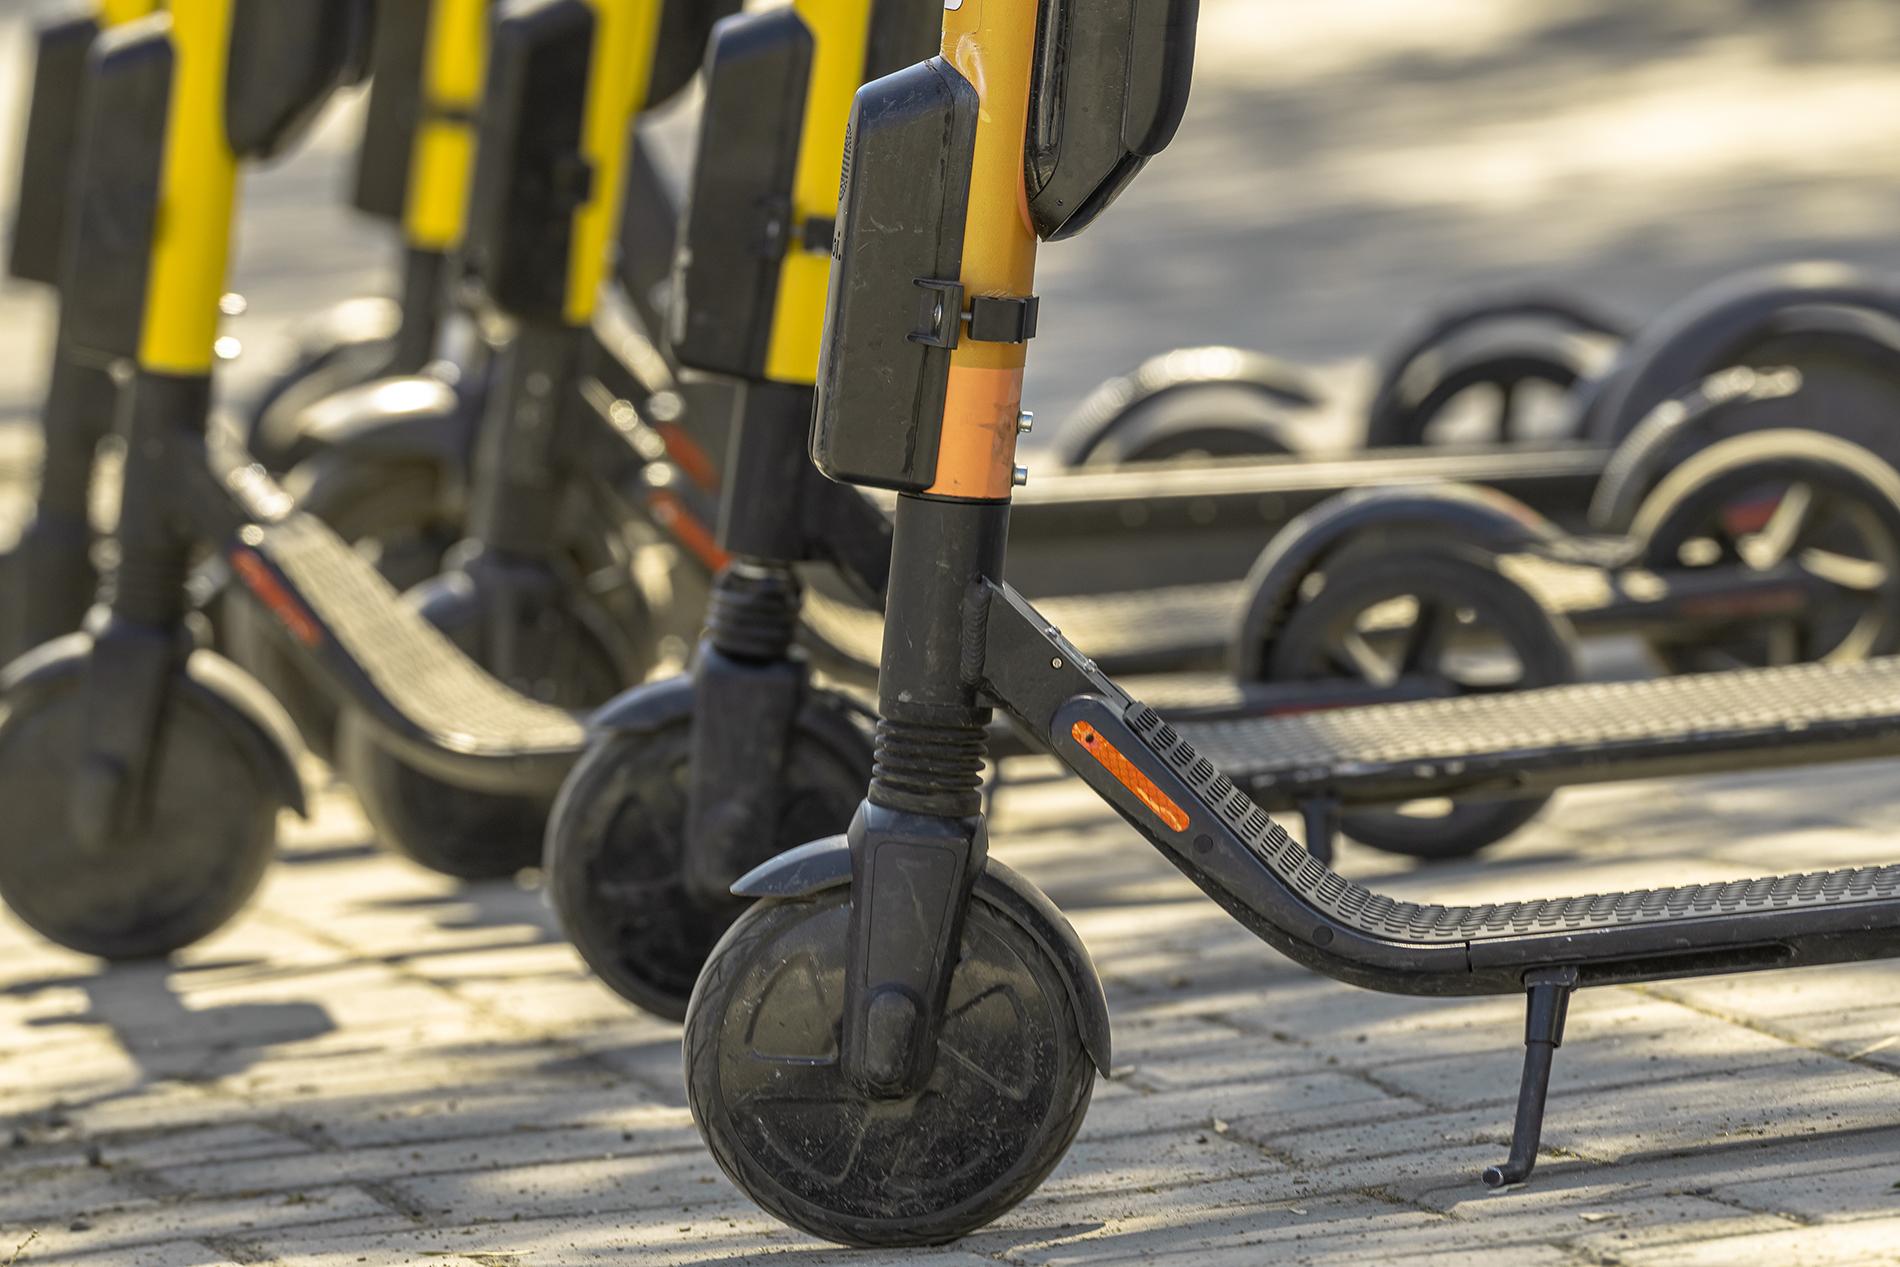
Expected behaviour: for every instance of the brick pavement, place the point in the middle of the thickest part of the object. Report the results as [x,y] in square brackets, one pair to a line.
[374,1065]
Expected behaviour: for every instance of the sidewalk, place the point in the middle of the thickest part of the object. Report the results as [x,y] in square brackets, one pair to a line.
[374,1066]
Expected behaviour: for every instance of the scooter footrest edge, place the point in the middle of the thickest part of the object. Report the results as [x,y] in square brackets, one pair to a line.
[1529,741]
[1819,904]
[419,682]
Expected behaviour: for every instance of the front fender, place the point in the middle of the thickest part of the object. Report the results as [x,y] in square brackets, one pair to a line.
[826,864]
[254,719]
[412,416]
[1694,337]
[647,707]
[1460,515]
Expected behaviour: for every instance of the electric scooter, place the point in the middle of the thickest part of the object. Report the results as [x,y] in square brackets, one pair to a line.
[147,772]
[51,574]
[899,1040]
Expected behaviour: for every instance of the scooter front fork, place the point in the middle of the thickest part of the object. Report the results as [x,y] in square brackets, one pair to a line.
[748,686]
[747,691]
[142,641]
[919,840]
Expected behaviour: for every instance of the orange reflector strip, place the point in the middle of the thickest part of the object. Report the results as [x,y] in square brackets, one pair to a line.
[693,461]
[1128,776]
[281,603]
[670,513]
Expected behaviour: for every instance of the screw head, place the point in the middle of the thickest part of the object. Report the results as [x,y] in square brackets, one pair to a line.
[1019,476]
[1025,422]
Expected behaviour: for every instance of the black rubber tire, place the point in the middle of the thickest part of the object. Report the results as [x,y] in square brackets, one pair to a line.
[1541,641]
[1679,428]
[205,842]
[1192,401]
[1426,386]
[920,1171]
[1852,490]
[1197,422]
[460,831]
[369,506]
[617,838]
[1849,359]
[346,347]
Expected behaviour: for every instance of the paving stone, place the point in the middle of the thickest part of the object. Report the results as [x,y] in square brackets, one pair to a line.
[1873,1242]
[111,1229]
[459,1155]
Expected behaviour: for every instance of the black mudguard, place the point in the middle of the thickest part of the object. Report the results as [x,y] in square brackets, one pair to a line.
[413,416]
[253,718]
[1695,336]
[642,709]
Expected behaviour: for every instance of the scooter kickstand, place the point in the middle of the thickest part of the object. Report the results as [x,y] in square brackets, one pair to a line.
[1549,993]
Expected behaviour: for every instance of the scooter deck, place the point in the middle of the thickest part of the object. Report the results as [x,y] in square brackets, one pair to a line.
[1538,740]
[422,693]
[1208,823]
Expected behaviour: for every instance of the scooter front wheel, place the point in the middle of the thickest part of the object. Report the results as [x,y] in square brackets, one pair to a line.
[618,837]
[182,864]
[1008,1091]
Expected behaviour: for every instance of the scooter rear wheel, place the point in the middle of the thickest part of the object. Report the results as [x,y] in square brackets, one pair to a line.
[564,656]
[1008,1092]
[1449,618]
[200,845]
[617,842]
[1782,499]
[350,344]
[1192,403]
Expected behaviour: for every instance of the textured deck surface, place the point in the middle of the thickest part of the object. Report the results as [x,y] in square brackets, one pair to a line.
[442,691]
[1750,716]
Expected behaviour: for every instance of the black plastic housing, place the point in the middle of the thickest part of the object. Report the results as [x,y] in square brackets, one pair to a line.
[530,173]
[1109,88]
[685,26]
[398,48]
[117,167]
[885,364]
[52,129]
[903,33]
[739,207]
[286,58]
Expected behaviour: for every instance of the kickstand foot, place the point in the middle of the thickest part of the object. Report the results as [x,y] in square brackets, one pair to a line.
[1548,1004]
[1321,816]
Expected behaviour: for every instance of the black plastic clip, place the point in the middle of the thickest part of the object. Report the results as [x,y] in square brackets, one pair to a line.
[816,234]
[991,318]
[573,179]
[1003,319]
[1549,991]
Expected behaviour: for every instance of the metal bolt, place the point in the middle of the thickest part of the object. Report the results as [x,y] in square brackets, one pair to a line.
[1019,476]
[1025,422]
